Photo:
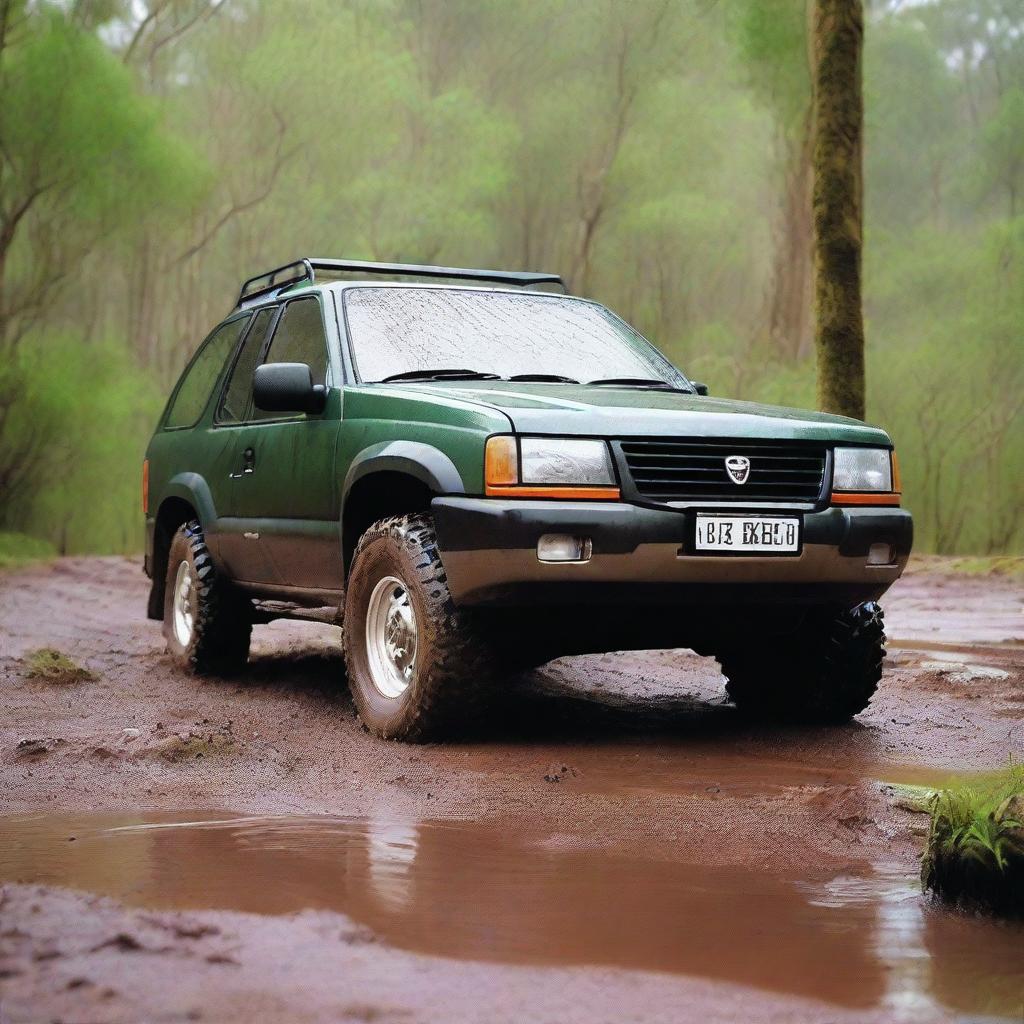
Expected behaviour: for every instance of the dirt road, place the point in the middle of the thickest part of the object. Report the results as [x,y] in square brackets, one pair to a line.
[619,846]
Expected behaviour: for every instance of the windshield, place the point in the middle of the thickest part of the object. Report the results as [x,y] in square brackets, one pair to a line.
[402,330]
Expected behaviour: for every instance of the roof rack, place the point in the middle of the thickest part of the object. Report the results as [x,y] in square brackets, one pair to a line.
[305,270]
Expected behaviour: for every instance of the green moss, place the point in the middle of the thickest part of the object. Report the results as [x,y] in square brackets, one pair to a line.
[54,667]
[20,549]
[975,852]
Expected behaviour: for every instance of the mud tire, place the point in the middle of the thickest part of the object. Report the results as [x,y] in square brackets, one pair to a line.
[222,618]
[824,672]
[454,661]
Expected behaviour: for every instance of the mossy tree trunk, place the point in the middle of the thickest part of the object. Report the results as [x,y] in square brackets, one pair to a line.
[838,205]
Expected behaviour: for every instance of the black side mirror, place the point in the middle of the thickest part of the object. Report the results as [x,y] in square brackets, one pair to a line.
[701,389]
[287,387]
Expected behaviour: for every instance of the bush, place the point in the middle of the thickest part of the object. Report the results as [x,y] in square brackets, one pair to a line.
[77,421]
[975,852]
[19,549]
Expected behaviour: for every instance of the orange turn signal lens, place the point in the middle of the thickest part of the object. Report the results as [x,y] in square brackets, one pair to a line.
[501,462]
[867,498]
[897,483]
[145,487]
[568,493]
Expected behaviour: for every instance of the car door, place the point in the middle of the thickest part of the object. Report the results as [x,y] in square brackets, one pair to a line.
[289,495]
[238,546]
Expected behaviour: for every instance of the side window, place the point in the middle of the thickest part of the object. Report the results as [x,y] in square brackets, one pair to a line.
[235,402]
[299,338]
[194,390]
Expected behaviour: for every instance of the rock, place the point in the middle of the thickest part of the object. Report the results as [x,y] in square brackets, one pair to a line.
[38,747]
[130,734]
[960,672]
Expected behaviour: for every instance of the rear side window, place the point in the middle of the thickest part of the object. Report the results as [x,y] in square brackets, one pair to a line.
[235,403]
[299,338]
[195,387]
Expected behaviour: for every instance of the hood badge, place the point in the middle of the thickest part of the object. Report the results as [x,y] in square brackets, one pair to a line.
[738,468]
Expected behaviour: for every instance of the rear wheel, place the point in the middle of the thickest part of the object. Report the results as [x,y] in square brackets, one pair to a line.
[418,667]
[825,671]
[207,624]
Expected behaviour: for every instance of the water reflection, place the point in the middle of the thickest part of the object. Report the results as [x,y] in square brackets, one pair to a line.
[503,892]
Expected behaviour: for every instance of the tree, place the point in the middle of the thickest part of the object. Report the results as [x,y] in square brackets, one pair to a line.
[838,205]
[773,45]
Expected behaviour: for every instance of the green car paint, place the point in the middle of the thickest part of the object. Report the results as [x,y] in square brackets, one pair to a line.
[281,499]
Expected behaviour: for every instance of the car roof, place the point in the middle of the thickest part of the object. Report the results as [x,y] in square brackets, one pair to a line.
[297,291]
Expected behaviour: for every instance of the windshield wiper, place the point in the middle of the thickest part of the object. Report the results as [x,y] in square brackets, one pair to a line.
[637,382]
[544,378]
[439,375]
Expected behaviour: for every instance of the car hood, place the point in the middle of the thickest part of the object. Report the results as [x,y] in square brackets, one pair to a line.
[641,412]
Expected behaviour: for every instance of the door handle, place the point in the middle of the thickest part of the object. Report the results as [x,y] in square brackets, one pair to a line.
[248,464]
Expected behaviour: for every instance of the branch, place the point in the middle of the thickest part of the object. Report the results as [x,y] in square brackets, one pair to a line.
[204,14]
[143,26]
[280,159]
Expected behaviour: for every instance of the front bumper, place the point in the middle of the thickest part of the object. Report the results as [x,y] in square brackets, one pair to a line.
[489,550]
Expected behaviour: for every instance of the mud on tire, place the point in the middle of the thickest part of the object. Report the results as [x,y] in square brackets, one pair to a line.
[825,671]
[217,641]
[454,663]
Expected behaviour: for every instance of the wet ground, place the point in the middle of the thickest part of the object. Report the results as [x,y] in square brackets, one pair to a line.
[620,845]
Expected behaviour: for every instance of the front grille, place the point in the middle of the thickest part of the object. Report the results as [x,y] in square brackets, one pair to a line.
[695,470]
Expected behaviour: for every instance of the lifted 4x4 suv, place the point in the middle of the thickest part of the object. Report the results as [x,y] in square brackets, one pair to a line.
[471,477]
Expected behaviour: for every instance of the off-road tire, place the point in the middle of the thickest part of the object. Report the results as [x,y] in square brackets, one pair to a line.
[455,664]
[222,619]
[825,671]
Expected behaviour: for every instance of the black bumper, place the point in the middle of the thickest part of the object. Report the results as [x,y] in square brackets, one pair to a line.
[489,549]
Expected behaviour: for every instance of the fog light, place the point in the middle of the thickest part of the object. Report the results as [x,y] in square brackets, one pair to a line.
[880,554]
[561,547]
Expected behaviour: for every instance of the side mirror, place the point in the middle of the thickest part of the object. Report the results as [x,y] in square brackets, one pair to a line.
[287,387]
[701,389]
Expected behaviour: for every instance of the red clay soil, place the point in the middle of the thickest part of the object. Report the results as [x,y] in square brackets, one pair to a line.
[614,847]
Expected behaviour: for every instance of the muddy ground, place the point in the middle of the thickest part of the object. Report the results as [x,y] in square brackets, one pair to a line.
[620,845]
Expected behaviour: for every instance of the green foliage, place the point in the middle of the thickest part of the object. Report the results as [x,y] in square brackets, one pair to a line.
[772,37]
[53,666]
[1003,149]
[652,151]
[975,850]
[76,126]
[18,549]
[83,421]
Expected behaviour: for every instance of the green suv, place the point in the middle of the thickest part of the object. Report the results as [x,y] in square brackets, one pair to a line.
[471,474]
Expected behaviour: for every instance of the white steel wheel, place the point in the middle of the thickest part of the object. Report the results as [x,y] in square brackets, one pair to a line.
[185,606]
[391,637]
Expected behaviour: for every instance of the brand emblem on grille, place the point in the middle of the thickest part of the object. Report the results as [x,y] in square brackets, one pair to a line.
[738,468]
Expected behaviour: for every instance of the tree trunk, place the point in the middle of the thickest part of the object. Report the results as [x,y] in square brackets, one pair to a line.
[838,205]
[789,299]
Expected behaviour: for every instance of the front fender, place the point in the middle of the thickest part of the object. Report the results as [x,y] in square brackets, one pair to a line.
[431,466]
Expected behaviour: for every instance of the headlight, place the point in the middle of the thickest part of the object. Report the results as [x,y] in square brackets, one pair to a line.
[549,467]
[862,469]
[564,461]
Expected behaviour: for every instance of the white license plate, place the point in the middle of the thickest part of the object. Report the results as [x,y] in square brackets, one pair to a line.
[774,534]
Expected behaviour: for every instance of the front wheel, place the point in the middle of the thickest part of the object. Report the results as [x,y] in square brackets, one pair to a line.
[825,671]
[418,667]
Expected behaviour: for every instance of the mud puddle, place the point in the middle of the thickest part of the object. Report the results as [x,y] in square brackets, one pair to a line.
[503,892]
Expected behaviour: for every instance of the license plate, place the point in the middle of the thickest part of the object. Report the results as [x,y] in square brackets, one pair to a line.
[773,534]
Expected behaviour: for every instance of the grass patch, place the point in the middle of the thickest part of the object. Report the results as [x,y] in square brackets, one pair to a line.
[1007,566]
[20,549]
[975,852]
[52,666]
